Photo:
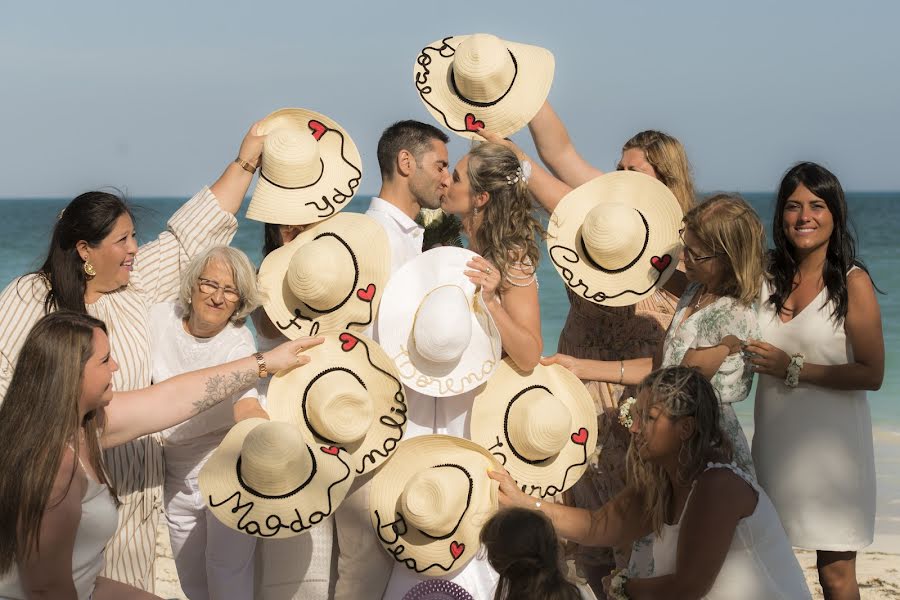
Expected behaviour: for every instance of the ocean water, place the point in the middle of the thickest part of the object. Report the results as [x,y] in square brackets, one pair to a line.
[25,227]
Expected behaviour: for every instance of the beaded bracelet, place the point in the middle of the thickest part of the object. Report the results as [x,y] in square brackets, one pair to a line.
[793,370]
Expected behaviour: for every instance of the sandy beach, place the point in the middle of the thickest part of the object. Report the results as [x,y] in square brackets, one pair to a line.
[878,569]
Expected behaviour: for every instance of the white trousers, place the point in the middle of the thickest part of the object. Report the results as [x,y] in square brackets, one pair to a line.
[213,561]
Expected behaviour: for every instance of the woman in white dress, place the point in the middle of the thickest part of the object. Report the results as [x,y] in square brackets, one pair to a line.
[822,347]
[204,328]
[715,532]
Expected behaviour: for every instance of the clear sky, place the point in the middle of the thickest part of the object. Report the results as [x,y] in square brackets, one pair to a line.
[154,97]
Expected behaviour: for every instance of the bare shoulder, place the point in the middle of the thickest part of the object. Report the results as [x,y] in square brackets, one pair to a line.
[68,486]
[724,487]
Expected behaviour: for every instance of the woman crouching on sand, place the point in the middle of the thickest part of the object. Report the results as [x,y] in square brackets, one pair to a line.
[716,533]
[58,509]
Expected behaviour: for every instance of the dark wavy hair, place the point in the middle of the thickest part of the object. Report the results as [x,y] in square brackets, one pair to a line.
[841,253]
[523,548]
[412,136]
[89,217]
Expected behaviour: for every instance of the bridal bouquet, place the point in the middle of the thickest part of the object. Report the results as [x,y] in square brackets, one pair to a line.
[441,229]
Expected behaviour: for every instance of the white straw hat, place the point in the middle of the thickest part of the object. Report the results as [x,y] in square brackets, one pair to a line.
[541,426]
[267,481]
[329,278]
[352,399]
[435,326]
[429,502]
[310,169]
[469,82]
[614,240]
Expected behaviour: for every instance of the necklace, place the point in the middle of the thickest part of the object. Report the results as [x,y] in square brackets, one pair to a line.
[701,297]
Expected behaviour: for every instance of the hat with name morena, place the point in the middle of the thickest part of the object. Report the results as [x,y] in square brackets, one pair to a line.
[310,168]
[471,82]
[435,326]
[614,240]
[267,480]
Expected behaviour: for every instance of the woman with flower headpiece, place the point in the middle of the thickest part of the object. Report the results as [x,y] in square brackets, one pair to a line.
[95,266]
[714,532]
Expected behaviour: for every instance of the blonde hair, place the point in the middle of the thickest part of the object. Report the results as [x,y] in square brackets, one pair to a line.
[680,392]
[669,160]
[244,280]
[730,226]
[509,230]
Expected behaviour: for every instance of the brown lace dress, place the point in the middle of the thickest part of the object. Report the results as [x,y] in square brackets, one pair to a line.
[610,333]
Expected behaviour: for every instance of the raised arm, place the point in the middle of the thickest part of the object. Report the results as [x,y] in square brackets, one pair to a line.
[231,188]
[555,148]
[618,523]
[46,572]
[518,316]
[132,414]
[864,333]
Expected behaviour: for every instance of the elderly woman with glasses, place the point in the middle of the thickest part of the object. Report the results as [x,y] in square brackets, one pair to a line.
[205,327]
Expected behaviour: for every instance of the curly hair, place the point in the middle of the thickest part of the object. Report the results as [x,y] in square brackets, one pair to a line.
[509,230]
[680,392]
[669,160]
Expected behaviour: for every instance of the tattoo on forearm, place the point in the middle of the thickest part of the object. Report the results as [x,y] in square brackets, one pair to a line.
[219,387]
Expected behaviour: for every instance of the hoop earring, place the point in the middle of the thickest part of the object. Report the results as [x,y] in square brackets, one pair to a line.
[89,270]
[682,463]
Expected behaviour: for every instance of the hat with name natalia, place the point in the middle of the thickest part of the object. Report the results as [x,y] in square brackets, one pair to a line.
[614,240]
[471,82]
[310,169]
[349,396]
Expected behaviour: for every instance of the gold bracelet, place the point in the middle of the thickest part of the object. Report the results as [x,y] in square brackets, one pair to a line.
[245,165]
[261,363]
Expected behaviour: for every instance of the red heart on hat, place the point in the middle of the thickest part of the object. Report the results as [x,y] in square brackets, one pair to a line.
[473,124]
[318,129]
[661,263]
[349,341]
[580,436]
[456,549]
[367,294]
[332,450]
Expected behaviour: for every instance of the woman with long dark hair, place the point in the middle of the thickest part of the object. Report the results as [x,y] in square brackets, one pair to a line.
[58,509]
[822,347]
[95,266]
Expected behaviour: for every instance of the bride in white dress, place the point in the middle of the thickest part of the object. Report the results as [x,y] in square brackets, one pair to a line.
[822,347]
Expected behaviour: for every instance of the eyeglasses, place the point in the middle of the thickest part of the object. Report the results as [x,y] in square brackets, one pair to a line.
[208,286]
[690,254]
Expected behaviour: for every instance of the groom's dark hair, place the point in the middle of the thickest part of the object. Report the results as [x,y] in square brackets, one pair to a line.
[412,136]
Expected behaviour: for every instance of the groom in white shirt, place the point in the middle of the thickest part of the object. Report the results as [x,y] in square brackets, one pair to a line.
[415,172]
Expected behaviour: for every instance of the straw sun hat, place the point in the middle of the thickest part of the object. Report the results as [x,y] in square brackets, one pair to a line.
[437,589]
[614,240]
[352,399]
[541,426]
[435,326]
[265,480]
[430,501]
[329,278]
[469,82]
[310,169]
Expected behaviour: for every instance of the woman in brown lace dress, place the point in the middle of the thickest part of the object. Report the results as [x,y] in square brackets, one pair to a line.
[602,332]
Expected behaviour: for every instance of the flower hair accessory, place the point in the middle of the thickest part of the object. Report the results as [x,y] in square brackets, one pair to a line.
[618,581]
[625,418]
[514,178]
[523,172]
